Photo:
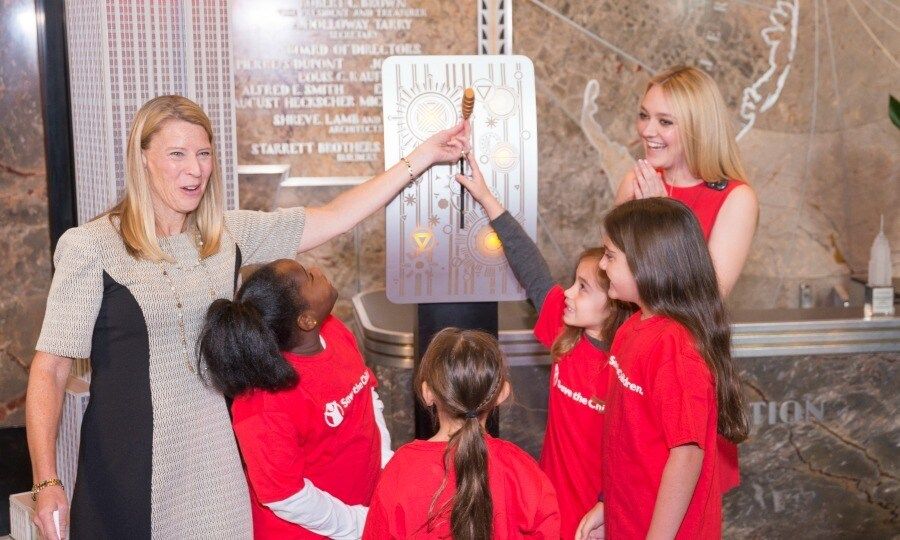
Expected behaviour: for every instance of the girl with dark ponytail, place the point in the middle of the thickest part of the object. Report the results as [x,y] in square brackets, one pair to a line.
[305,412]
[675,385]
[462,483]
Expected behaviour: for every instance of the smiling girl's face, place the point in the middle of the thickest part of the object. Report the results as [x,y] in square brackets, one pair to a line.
[586,301]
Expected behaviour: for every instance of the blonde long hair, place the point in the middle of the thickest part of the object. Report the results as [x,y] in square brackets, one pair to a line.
[137,223]
[710,150]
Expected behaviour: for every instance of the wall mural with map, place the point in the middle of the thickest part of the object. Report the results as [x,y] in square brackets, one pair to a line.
[808,84]
[807,81]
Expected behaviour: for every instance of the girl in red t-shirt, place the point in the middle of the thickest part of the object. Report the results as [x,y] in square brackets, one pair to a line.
[690,155]
[674,386]
[577,325]
[305,412]
[462,483]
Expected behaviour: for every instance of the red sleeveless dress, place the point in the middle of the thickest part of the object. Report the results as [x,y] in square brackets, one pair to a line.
[705,200]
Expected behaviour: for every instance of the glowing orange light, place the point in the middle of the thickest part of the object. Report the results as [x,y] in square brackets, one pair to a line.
[492,241]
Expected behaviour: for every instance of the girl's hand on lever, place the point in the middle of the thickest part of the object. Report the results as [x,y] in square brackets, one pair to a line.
[479,190]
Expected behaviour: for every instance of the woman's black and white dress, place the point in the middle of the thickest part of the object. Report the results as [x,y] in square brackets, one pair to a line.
[158,458]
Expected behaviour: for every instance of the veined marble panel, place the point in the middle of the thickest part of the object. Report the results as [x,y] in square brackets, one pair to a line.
[807,84]
[24,237]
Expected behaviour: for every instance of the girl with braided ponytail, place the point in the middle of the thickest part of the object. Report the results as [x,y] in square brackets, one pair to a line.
[462,483]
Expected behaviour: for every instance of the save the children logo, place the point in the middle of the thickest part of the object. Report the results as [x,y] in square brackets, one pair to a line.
[334,410]
[574,395]
[624,378]
[334,414]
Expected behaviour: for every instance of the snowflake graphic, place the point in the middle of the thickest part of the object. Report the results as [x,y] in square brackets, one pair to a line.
[433,221]
[409,200]
[491,121]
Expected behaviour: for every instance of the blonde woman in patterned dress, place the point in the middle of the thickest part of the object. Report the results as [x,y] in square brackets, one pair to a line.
[158,458]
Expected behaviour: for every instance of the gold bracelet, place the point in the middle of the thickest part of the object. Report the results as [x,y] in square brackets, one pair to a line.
[408,167]
[36,488]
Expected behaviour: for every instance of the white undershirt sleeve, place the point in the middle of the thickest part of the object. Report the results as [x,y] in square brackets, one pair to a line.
[378,409]
[322,513]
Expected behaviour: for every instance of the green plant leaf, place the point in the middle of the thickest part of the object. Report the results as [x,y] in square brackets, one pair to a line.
[894,110]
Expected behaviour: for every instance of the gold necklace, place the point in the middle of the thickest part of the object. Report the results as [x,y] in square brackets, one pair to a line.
[179,305]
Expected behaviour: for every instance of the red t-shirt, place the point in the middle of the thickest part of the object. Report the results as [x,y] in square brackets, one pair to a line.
[662,395]
[524,500]
[323,429]
[704,201]
[579,383]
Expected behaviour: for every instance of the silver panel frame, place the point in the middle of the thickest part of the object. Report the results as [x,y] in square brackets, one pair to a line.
[436,252]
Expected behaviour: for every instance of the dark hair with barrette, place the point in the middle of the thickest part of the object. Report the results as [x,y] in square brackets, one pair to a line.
[466,372]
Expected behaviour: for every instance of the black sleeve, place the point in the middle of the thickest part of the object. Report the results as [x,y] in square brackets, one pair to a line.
[524,258]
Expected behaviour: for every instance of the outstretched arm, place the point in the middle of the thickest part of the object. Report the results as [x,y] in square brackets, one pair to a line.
[523,255]
[349,208]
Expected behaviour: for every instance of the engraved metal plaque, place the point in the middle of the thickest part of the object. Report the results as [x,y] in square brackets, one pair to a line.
[437,252]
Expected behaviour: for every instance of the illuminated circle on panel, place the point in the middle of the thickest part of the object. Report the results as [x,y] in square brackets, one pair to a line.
[492,242]
[429,113]
[504,157]
[518,75]
[526,135]
[502,101]
[484,244]
[484,158]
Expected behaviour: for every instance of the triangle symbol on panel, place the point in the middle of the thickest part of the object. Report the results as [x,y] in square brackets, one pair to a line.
[422,239]
[482,89]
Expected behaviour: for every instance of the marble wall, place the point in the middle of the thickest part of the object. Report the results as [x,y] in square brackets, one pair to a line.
[808,86]
[24,236]
[823,446]
[818,145]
